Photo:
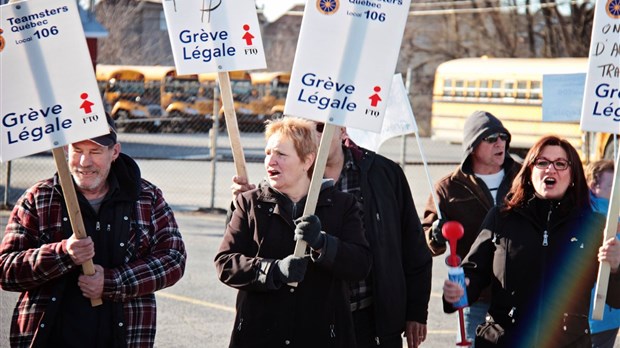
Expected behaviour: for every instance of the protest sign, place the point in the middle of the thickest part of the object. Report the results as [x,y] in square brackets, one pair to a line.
[48,88]
[214,36]
[601,101]
[336,77]
[563,97]
[398,120]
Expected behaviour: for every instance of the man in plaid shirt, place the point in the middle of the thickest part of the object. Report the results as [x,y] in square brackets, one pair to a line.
[133,240]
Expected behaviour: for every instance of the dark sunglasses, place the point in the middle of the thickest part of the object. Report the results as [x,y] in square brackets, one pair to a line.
[493,137]
[320,127]
[543,163]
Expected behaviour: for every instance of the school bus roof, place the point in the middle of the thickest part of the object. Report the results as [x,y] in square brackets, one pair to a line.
[234,75]
[150,73]
[122,72]
[524,67]
[267,77]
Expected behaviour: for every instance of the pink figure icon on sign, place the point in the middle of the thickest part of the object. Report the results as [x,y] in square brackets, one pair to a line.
[86,105]
[375,98]
[247,36]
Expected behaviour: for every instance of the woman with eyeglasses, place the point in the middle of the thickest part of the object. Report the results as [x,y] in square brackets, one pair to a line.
[540,254]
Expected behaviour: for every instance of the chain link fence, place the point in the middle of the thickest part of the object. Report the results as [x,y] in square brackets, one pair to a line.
[196,175]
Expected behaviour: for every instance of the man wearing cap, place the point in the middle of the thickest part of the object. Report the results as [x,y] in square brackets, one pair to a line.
[133,240]
[466,195]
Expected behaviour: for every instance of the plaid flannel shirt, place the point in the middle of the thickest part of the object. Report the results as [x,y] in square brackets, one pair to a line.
[32,257]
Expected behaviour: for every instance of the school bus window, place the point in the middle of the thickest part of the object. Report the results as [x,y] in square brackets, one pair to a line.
[509,87]
[447,88]
[496,88]
[522,90]
[471,88]
[484,91]
[536,90]
[458,88]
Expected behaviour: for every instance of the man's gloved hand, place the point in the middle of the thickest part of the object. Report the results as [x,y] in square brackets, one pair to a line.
[291,269]
[308,228]
[436,234]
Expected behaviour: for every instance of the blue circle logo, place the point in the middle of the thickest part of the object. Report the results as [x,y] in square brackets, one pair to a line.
[329,7]
[613,8]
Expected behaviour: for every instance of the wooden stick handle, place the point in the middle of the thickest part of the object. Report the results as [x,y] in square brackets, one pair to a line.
[315,183]
[73,208]
[611,228]
[232,125]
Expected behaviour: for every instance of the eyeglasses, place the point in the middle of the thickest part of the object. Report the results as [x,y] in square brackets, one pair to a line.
[320,127]
[491,139]
[543,163]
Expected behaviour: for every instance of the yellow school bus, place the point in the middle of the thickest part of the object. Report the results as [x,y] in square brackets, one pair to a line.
[241,88]
[511,89]
[178,96]
[122,89]
[271,89]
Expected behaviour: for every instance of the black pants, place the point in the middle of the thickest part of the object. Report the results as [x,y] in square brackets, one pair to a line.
[365,331]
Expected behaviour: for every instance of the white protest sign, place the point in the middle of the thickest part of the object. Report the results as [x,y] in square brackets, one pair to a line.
[345,59]
[49,95]
[601,102]
[563,97]
[399,119]
[214,35]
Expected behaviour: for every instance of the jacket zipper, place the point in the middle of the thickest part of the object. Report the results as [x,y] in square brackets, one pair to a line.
[240,324]
[545,243]
[546,233]
[332,332]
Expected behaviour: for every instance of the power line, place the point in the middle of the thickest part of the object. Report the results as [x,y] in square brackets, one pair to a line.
[419,13]
[450,3]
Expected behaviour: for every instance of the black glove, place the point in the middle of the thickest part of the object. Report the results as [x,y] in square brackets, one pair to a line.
[308,228]
[436,234]
[291,269]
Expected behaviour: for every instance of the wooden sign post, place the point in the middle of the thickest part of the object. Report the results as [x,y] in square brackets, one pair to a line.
[611,229]
[73,208]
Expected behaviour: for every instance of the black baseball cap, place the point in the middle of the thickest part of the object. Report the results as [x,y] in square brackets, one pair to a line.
[110,138]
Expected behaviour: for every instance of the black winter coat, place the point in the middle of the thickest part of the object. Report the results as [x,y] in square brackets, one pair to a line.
[541,262]
[402,264]
[317,312]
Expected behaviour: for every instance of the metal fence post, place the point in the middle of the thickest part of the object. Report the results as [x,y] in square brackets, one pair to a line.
[7,183]
[403,138]
[214,130]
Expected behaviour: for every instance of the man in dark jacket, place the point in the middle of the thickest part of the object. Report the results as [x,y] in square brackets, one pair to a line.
[466,195]
[394,298]
[133,240]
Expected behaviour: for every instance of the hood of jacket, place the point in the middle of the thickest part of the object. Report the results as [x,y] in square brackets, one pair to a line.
[479,125]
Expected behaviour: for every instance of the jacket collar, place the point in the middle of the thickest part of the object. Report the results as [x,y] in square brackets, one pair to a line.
[362,157]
